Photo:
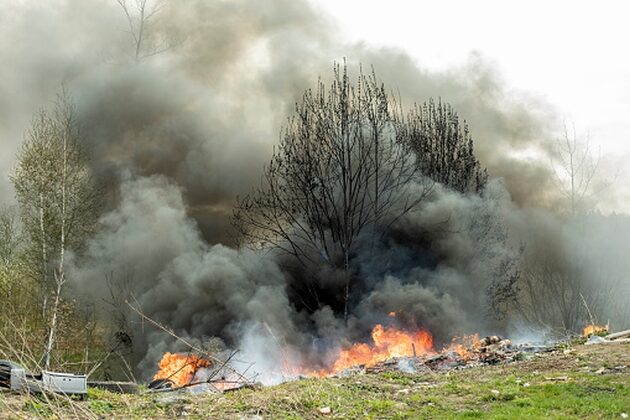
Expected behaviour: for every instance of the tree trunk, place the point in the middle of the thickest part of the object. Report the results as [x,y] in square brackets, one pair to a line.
[60,274]
[44,254]
[346,269]
[53,325]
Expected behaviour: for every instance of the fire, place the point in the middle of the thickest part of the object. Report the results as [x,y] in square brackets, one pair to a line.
[464,345]
[592,329]
[180,368]
[391,342]
[387,343]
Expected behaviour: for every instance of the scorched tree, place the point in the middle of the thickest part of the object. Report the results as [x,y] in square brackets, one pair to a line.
[350,163]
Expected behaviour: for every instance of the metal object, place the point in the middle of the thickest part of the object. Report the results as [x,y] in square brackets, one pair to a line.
[15,377]
[12,375]
[65,383]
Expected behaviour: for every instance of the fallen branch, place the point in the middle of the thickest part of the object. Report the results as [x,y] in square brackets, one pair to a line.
[617,335]
[620,340]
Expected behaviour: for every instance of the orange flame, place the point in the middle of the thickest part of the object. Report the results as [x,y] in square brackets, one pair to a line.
[387,343]
[180,368]
[465,346]
[592,329]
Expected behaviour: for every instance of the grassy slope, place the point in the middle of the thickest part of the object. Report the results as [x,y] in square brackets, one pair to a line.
[564,384]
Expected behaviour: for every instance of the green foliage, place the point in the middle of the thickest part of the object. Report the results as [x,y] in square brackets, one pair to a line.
[58,209]
[54,187]
[37,407]
[23,326]
[101,407]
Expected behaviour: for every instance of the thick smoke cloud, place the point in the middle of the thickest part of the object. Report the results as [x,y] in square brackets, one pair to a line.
[200,291]
[175,137]
[438,262]
[206,111]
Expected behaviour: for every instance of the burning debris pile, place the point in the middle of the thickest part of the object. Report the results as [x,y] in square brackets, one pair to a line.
[413,352]
[177,370]
[388,343]
[598,334]
[487,351]
[390,349]
[594,329]
[197,374]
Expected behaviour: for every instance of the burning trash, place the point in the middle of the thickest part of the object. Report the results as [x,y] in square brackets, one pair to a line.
[178,370]
[390,348]
[599,334]
[388,343]
[414,351]
[594,329]
[196,374]
[464,352]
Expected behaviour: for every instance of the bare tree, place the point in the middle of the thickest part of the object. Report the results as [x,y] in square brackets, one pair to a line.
[555,290]
[556,294]
[576,169]
[57,198]
[444,147]
[140,15]
[340,171]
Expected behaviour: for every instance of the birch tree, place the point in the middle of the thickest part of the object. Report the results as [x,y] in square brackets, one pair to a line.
[58,200]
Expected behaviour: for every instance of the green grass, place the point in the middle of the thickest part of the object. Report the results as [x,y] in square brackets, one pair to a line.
[562,385]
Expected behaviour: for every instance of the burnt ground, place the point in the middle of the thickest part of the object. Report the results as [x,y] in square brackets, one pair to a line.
[575,381]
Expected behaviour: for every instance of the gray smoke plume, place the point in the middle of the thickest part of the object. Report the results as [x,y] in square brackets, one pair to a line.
[202,291]
[198,290]
[176,136]
[216,100]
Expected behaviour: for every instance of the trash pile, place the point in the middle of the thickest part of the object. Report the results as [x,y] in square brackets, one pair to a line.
[487,351]
[197,374]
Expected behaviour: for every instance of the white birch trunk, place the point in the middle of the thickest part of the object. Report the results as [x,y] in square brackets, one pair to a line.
[60,274]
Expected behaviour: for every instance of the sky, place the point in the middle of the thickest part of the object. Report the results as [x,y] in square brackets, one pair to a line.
[570,54]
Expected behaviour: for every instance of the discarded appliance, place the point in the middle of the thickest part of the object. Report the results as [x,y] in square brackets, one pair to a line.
[18,379]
